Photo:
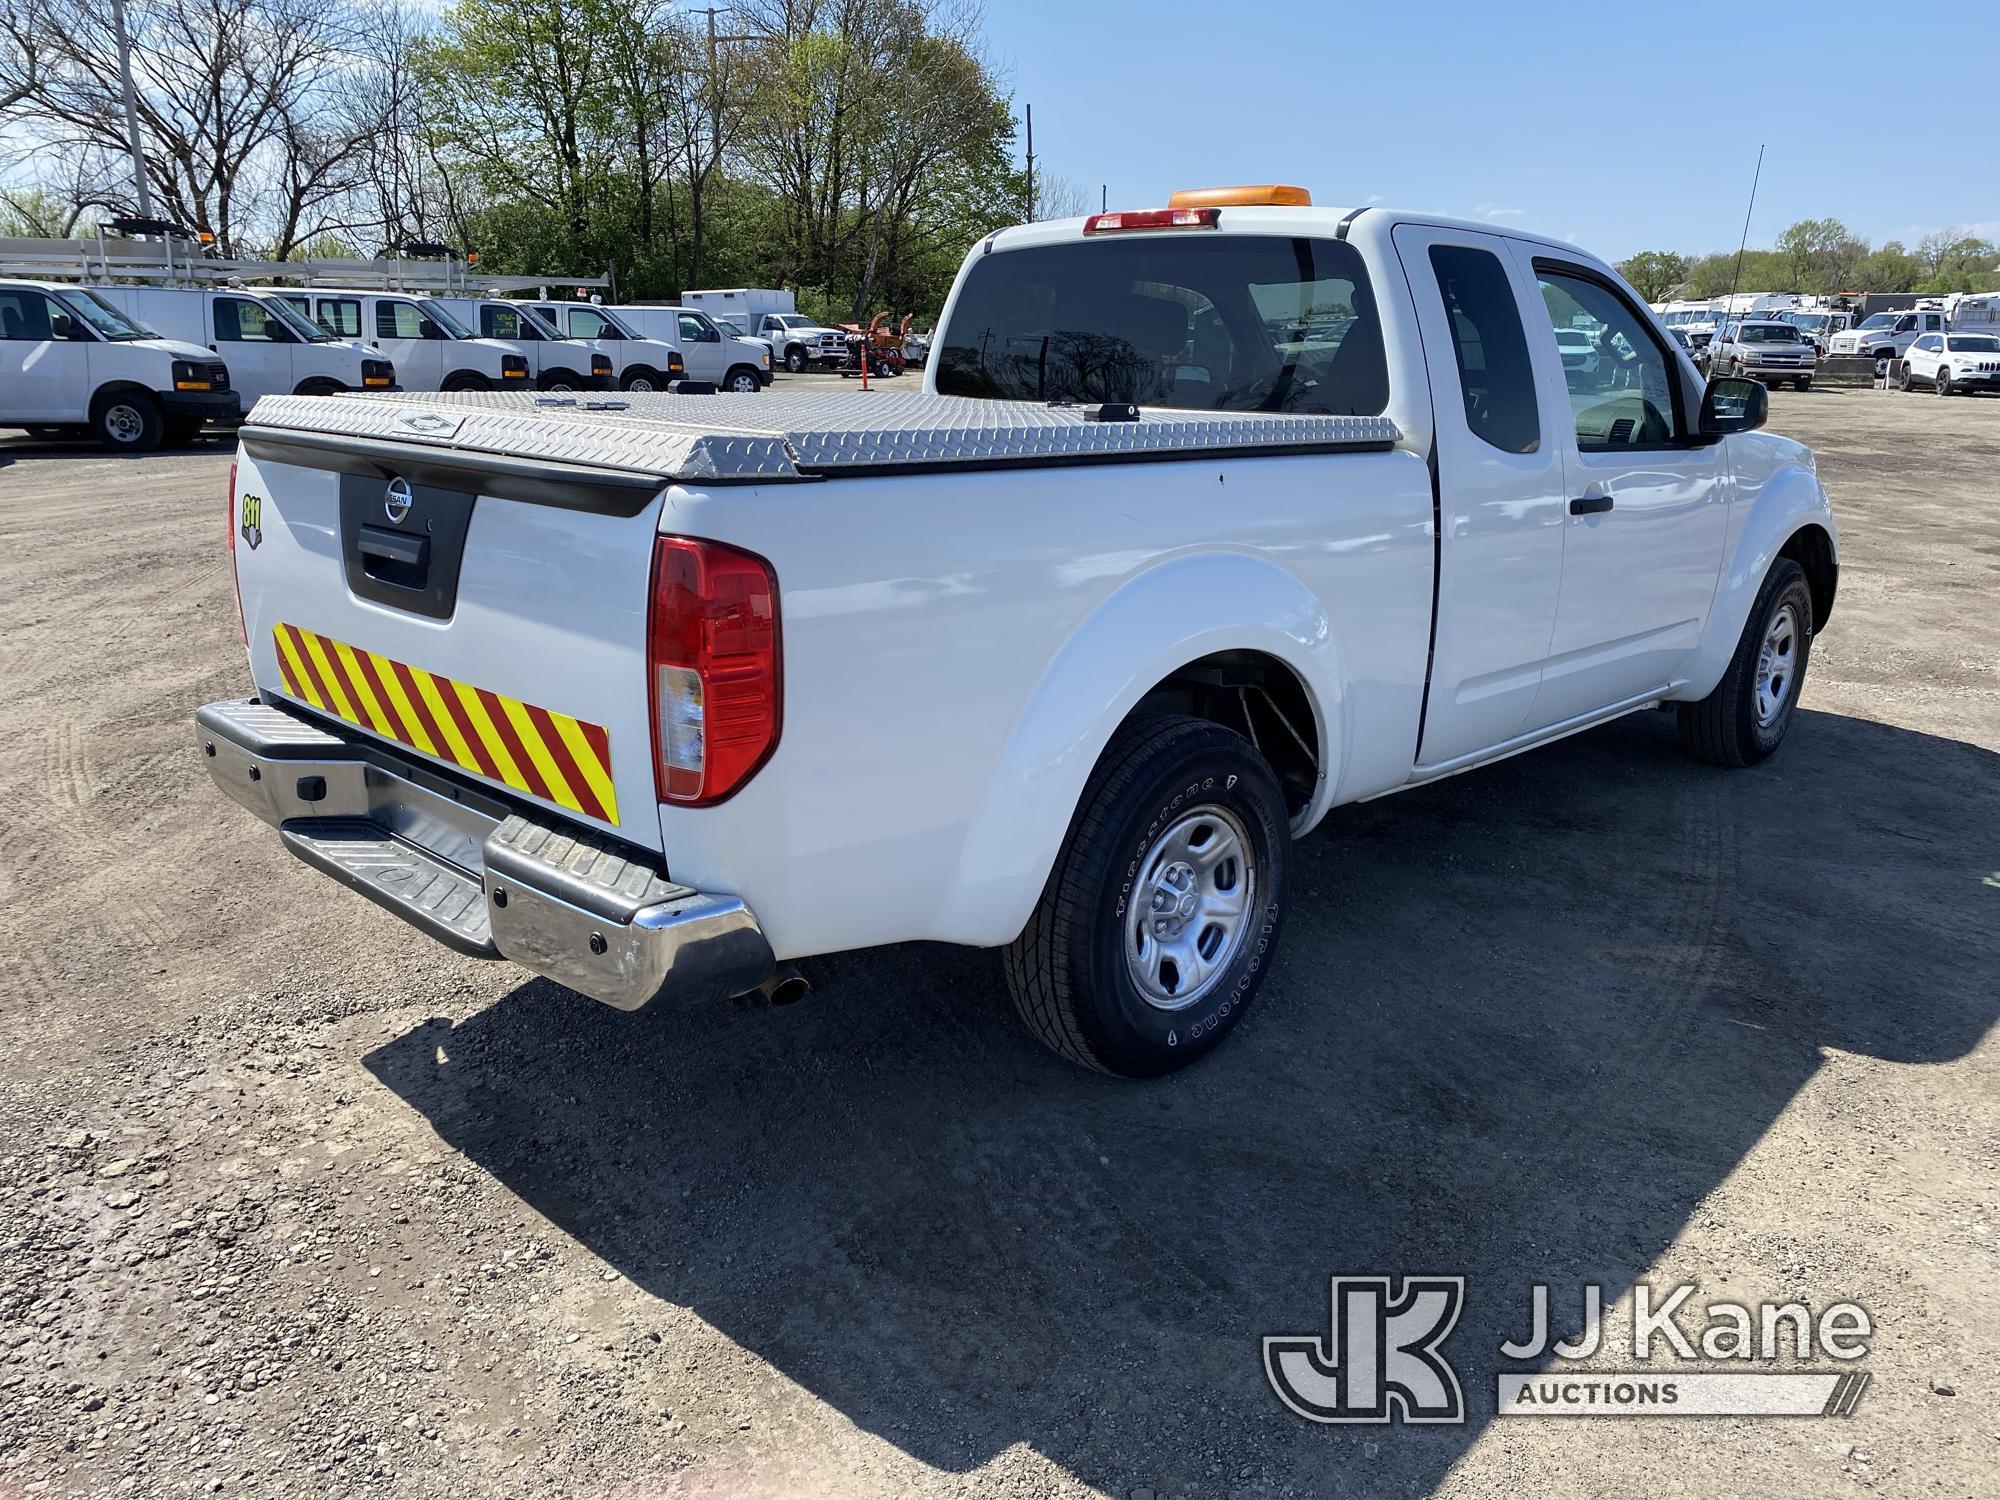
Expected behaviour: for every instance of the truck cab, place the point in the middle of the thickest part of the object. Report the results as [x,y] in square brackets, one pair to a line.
[425,341]
[713,354]
[643,360]
[72,362]
[1887,335]
[271,348]
[556,362]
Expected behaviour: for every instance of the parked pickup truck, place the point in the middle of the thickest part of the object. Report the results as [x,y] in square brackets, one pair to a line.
[1210,519]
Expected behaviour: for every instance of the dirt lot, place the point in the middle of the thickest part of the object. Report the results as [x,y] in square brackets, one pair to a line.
[294,1202]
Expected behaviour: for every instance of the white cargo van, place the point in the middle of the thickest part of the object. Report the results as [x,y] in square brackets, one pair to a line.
[556,362]
[430,348]
[713,353]
[271,348]
[70,362]
[645,362]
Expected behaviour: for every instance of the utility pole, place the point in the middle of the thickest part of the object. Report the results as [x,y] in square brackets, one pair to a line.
[131,111]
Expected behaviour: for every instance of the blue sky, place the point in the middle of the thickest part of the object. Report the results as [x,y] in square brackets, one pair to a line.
[1622,127]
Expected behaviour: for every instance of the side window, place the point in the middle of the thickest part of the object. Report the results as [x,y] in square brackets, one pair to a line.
[695,331]
[502,323]
[341,317]
[398,320]
[1494,373]
[1930,343]
[1621,390]
[585,324]
[24,317]
[241,321]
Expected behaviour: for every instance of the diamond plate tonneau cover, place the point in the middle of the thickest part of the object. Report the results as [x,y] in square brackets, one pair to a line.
[796,436]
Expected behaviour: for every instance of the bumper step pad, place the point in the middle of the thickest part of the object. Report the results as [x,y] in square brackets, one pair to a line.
[439,898]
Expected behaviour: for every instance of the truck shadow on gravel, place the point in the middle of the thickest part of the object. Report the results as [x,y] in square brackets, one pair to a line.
[1525,1021]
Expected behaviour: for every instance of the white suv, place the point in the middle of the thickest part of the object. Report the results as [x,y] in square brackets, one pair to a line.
[1953,364]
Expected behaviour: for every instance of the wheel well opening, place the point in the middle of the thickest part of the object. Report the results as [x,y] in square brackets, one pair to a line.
[1812,549]
[1260,698]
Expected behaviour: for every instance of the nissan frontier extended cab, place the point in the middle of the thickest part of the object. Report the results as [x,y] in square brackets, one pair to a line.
[1208,520]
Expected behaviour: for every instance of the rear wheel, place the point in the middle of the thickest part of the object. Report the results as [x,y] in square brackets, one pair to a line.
[127,422]
[1160,917]
[56,434]
[180,434]
[1744,720]
[742,380]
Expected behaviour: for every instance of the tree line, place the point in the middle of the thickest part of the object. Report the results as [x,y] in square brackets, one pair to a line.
[848,149]
[1821,256]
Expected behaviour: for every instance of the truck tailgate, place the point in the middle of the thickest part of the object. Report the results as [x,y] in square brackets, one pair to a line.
[486,614]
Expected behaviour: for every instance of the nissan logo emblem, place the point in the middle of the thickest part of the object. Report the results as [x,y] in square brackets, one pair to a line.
[396,504]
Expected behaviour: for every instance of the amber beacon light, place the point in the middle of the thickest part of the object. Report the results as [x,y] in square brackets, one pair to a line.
[1271,194]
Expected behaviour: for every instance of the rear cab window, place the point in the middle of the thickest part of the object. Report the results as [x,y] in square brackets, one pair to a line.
[1225,322]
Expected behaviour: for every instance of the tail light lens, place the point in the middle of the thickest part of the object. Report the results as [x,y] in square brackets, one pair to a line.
[712,666]
[241,628]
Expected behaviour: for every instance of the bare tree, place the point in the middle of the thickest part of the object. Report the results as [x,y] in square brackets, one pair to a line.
[240,104]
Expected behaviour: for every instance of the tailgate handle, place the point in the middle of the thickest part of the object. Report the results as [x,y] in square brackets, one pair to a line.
[397,547]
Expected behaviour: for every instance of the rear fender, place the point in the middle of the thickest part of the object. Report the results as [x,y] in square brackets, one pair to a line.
[1150,627]
[1775,510]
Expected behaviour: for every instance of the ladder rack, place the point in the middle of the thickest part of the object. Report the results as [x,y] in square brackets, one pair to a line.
[167,263]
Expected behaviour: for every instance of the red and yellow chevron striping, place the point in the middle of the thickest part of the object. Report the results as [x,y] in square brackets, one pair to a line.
[535,750]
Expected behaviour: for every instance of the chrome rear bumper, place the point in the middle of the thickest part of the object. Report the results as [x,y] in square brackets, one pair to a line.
[590,913]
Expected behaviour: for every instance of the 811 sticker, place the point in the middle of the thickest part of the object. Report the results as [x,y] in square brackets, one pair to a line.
[253,520]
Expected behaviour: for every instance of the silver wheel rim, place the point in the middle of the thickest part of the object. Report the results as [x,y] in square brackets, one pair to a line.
[124,424]
[639,383]
[1191,908]
[743,383]
[1777,666]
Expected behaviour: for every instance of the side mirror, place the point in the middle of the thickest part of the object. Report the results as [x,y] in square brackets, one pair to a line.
[1733,405]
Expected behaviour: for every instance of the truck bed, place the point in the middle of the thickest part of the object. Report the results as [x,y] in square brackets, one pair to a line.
[785,437]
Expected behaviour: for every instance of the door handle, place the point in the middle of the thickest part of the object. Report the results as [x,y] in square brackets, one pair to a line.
[1590,505]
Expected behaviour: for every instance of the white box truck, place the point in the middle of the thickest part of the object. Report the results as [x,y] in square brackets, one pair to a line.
[797,342]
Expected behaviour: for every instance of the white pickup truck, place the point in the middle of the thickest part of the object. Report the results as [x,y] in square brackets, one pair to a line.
[1211,519]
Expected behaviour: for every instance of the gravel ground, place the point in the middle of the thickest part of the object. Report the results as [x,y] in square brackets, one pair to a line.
[295,1202]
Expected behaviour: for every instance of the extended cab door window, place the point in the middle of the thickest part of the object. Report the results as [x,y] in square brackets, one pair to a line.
[1496,380]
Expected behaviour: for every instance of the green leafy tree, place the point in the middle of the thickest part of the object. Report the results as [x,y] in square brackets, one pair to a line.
[1654,273]
[1819,255]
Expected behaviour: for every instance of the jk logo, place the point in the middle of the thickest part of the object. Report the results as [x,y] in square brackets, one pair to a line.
[1378,1350]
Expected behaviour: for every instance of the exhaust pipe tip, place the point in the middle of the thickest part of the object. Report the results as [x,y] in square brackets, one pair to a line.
[786,987]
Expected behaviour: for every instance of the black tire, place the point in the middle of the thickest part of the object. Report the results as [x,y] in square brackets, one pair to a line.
[319,386]
[1903,376]
[742,381]
[1941,383]
[1726,728]
[60,433]
[1068,971]
[465,380]
[180,434]
[1804,382]
[127,421]
[795,359]
[560,380]
[642,378]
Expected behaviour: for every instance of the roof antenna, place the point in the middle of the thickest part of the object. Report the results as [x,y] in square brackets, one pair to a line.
[1737,277]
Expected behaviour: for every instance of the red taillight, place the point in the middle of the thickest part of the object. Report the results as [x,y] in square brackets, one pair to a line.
[241,628]
[712,660]
[1154,218]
